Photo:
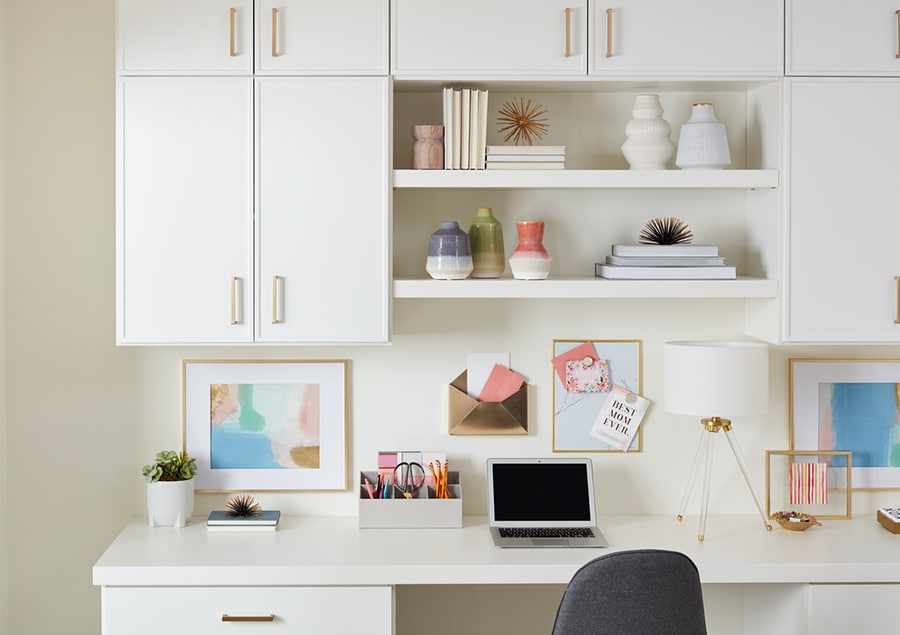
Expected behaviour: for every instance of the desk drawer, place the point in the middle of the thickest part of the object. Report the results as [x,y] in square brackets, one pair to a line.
[210,610]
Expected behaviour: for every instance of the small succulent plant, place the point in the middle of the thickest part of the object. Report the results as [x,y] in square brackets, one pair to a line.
[170,466]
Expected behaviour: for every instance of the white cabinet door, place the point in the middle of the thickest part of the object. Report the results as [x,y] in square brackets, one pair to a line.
[173,37]
[842,37]
[248,610]
[312,37]
[489,37]
[184,203]
[691,37]
[842,194]
[836,609]
[322,233]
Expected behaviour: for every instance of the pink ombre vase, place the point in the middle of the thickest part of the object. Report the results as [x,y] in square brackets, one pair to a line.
[530,261]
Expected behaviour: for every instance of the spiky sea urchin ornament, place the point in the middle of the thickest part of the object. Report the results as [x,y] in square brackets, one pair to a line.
[242,505]
[666,231]
[522,120]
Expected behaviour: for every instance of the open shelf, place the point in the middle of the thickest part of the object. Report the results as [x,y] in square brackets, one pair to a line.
[609,179]
[562,287]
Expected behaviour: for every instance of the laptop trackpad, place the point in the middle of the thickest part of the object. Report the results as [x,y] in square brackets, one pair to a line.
[550,542]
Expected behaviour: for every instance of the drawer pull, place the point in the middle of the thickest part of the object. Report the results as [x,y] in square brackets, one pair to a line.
[274,299]
[231,50]
[609,30]
[898,33]
[274,32]
[247,618]
[235,317]
[568,32]
[897,314]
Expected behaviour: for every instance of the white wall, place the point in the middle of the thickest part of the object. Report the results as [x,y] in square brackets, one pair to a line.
[84,416]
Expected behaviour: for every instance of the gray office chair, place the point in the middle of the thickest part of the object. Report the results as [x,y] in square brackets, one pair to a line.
[638,592]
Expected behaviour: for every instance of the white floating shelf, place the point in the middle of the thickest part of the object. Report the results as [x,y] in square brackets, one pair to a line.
[584,287]
[609,179]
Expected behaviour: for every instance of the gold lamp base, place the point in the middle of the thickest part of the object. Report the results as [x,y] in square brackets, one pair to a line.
[705,450]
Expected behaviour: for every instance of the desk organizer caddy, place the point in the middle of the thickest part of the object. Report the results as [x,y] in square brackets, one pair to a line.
[424,511]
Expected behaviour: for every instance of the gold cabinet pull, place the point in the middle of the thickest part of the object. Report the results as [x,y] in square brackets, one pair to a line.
[568,32]
[234,293]
[247,618]
[897,314]
[274,32]
[274,299]
[609,24]
[897,12]
[231,50]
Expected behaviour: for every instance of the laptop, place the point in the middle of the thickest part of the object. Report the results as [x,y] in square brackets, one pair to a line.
[542,502]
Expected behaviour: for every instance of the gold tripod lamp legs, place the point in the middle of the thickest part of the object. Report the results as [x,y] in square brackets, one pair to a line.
[705,451]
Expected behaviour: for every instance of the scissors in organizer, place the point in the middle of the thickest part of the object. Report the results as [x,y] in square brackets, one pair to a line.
[408,478]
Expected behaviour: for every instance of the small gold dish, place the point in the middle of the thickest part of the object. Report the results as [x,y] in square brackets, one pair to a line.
[793,521]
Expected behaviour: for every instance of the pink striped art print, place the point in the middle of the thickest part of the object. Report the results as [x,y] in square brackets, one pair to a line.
[808,483]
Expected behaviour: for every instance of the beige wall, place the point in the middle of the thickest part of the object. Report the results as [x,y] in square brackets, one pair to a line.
[82,416]
[4,542]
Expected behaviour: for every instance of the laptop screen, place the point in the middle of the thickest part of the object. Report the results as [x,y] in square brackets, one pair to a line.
[541,492]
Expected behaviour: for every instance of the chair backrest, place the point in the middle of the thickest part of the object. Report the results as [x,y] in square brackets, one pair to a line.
[636,592]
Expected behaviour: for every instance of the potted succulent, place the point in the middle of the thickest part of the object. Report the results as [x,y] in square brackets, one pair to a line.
[170,488]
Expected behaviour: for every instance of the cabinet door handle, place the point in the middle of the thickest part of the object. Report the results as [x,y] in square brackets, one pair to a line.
[568,32]
[235,314]
[897,12]
[274,299]
[231,50]
[274,32]
[609,29]
[247,618]
[897,314]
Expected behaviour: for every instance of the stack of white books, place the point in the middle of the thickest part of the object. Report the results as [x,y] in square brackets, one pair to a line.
[263,521]
[526,157]
[665,262]
[465,128]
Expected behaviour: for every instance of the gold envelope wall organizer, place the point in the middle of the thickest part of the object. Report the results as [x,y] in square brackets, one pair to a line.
[470,416]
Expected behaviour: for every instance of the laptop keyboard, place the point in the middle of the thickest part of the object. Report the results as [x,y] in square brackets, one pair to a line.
[546,532]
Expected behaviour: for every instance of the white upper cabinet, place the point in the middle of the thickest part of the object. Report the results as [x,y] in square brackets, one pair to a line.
[323,219]
[472,38]
[172,37]
[686,38]
[843,37]
[313,37]
[843,224]
[184,223]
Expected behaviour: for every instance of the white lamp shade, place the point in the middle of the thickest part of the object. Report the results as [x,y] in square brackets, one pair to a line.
[717,379]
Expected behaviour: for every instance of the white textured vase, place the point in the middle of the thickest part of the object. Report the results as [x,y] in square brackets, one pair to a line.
[170,503]
[702,142]
[647,145]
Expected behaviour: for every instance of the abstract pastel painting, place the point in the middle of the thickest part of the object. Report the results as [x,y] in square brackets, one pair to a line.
[849,405]
[266,425]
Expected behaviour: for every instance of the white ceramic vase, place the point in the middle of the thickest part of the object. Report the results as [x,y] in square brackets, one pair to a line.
[647,145]
[702,142]
[170,503]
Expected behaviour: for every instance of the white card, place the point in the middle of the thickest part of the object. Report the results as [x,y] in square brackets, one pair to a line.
[619,418]
[478,367]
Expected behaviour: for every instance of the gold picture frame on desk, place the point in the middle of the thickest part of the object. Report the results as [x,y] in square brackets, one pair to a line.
[575,409]
[779,483]
[266,425]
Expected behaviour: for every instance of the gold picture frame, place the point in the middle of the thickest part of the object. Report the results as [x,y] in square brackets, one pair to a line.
[821,511]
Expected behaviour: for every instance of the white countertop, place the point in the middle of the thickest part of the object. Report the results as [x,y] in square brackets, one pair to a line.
[322,550]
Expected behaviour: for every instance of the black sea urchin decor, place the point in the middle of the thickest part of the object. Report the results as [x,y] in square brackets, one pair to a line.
[242,505]
[666,231]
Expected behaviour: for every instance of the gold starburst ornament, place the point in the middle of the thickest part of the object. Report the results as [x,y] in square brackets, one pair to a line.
[522,121]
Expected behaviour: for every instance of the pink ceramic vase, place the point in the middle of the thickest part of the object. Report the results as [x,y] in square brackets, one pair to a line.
[530,261]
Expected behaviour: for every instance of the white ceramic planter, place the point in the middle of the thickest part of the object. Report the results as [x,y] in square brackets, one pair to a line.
[170,503]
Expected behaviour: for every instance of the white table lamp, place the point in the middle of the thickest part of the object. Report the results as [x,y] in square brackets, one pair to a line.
[714,380]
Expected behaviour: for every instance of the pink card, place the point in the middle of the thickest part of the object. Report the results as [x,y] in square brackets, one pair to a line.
[579,352]
[501,384]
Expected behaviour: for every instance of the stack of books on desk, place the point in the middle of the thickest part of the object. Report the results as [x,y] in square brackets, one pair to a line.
[665,262]
[263,521]
[526,157]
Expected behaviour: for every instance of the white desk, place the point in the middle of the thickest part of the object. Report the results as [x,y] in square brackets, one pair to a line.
[786,576]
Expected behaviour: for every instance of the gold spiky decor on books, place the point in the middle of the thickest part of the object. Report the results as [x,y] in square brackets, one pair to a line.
[666,231]
[242,506]
[522,121]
